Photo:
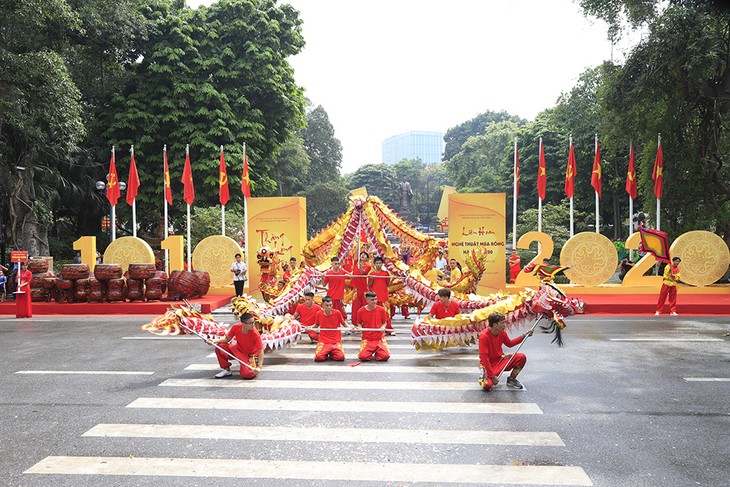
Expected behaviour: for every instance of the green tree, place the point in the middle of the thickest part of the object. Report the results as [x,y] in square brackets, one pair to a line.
[323,148]
[456,136]
[206,221]
[290,167]
[379,179]
[326,202]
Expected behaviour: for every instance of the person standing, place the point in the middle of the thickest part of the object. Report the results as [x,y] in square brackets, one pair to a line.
[23,302]
[444,307]
[360,284]
[378,282]
[514,266]
[306,313]
[329,344]
[669,288]
[238,269]
[492,358]
[373,319]
[3,282]
[247,347]
[441,263]
[335,281]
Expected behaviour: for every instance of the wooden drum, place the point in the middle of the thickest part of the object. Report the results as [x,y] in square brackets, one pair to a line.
[105,272]
[115,290]
[203,282]
[135,289]
[37,265]
[141,271]
[183,284]
[75,271]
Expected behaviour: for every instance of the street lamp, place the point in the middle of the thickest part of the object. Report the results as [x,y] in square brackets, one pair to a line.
[101,188]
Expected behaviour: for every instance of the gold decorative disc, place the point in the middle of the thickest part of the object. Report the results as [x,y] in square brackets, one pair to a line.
[129,250]
[592,259]
[704,255]
[215,254]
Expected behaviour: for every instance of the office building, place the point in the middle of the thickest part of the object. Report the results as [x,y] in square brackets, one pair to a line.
[417,144]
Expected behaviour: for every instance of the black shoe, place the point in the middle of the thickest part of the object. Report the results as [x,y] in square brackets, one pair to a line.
[514,383]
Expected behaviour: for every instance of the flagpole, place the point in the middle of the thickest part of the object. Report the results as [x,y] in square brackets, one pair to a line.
[598,228]
[164,204]
[134,205]
[631,199]
[190,257]
[572,228]
[245,213]
[114,207]
[223,209]
[658,200]
[539,199]
[514,202]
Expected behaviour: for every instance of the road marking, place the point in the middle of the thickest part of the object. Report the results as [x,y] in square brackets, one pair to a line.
[384,473]
[322,384]
[363,368]
[337,406]
[162,337]
[84,372]
[350,435]
[474,357]
[667,340]
[707,379]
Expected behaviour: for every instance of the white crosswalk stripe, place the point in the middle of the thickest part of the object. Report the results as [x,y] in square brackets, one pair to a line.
[364,368]
[352,354]
[322,384]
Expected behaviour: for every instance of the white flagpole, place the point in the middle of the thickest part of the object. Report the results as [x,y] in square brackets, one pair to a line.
[658,200]
[598,227]
[190,257]
[245,213]
[134,206]
[572,228]
[164,204]
[514,202]
[113,223]
[631,200]
[539,200]
[223,207]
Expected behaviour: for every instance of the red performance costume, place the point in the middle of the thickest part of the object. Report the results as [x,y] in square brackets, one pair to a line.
[335,281]
[514,268]
[373,342]
[669,288]
[245,348]
[492,358]
[439,311]
[379,285]
[330,342]
[360,285]
[307,316]
[23,303]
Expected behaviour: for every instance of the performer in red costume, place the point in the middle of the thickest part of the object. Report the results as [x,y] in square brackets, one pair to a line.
[373,317]
[335,280]
[247,348]
[23,303]
[669,288]
[360,284]
[378,284]
[444,307]
[307,312]
[514,266]
[492,358]
[330,342]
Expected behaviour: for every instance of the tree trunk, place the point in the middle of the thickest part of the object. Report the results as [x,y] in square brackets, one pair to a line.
[27,232]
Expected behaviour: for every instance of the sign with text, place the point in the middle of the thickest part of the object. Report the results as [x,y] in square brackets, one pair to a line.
[279,224]
[478,220]
[18,256]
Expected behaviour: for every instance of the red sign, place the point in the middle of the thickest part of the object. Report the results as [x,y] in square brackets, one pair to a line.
[18,256]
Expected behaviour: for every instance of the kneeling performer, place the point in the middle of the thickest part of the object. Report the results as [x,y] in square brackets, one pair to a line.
[246,347]
[492,358]
[372,317]
[329,344]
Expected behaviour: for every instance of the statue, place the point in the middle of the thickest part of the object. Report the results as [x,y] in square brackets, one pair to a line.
[405,192]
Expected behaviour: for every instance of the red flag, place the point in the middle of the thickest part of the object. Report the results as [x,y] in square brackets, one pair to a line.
[132,181]
[224,196]
[187,180]
[570,172]
[656,174]
[541,174]
[631,175]
[168,189]
[596,177]
[112,183]
[517,174]
[245,179]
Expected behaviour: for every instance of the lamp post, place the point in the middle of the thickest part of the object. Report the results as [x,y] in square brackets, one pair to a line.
[101,187]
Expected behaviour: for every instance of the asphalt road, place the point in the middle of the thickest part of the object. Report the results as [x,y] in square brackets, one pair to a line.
[601,411]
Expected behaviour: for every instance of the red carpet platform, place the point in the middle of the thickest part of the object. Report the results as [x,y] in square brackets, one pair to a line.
[208,303]
[645,304]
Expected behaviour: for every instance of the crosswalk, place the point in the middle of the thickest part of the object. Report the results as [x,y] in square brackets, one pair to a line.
[335,409]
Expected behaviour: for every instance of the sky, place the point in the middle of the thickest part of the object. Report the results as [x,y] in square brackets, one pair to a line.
[381,68]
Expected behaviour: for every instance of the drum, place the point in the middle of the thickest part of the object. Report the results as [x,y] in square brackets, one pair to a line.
[162,275]
[64,284]
[135,289]
[81,289]
[115,290]
[39,294]
[75,271]
[153,287]
[141,271]
[203,282]
[96,290]
[51,282]
[40,279]
[37,265]
[183,284]
[105,272]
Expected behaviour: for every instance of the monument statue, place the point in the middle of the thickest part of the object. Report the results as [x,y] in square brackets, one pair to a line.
[406,193]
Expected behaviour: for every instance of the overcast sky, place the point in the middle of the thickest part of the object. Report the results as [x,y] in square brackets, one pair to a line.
[380,68]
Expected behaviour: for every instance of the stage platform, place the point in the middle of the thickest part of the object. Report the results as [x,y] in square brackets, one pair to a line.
[208,304]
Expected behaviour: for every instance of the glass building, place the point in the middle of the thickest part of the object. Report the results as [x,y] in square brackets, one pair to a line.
[426,146]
